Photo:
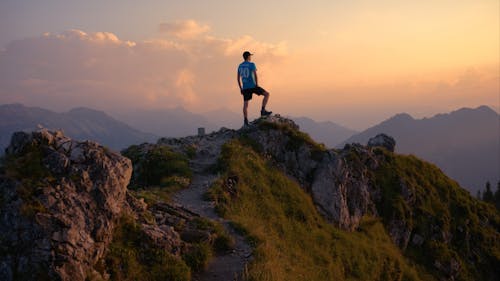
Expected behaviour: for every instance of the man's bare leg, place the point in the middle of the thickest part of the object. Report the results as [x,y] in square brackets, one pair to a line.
[263,111]
[245,111]
[264,101]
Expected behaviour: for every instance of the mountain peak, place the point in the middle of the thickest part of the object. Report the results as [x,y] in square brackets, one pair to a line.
[483,109]
[79,123]
[401,117]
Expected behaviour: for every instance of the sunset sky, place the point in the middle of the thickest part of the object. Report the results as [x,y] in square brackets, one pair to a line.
[355,63]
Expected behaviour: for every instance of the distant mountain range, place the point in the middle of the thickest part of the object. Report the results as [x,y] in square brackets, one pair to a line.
[464,143]
[79,123]
[179,122]
[134,127]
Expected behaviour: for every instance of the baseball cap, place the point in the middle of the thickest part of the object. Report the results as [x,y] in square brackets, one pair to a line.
[246,54]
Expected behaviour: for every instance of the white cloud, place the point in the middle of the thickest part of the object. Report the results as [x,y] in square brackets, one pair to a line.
[79,35]
[184,29]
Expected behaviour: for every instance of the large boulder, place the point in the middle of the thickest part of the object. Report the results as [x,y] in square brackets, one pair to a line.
[342,191]
[60,201]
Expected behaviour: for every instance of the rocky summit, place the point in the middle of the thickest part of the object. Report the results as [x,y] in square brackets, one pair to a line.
[211,207]
[60,201]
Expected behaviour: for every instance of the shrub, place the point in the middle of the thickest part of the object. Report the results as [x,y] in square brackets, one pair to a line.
[223,243]
[158,172]
[27,168]
[198,256]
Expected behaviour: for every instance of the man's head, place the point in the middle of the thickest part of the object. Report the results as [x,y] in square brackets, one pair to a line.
[247,55]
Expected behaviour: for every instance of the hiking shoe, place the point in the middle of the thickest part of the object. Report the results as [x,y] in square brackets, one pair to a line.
[245,123]
[264,112]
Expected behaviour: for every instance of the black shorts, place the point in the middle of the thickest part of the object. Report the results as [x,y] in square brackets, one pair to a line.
[247,93]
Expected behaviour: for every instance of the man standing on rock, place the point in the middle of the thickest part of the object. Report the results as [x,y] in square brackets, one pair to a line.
[247,74]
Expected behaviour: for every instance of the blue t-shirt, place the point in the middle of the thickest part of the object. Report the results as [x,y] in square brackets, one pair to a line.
[246,71]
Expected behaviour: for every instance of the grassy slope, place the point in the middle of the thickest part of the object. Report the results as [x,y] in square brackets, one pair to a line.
[292,241]
[440,205]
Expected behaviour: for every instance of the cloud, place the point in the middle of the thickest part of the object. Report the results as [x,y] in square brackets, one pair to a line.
[184,29]
[101,70]
[79,35]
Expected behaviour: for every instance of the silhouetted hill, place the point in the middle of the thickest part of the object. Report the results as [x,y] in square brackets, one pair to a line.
[327,132]
[79,123]
[176,122]
[463,143]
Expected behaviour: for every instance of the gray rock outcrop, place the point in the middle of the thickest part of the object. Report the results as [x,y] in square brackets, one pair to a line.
[60,200]
[343,193]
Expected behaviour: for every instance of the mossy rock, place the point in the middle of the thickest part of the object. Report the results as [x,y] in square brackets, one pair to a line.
[131,256]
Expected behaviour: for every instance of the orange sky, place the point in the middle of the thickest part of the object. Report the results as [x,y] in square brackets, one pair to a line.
[351,62]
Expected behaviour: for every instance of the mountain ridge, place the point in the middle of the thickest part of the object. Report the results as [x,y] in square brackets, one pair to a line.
[464,142]
[80,123]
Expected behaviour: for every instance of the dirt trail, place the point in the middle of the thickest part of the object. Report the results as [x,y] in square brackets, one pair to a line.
[229,266]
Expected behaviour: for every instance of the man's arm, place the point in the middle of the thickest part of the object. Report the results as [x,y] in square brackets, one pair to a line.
[238,78]
[256,81]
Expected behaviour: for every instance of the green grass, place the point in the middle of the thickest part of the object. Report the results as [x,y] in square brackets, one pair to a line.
[222,241]
[440,206]
[26,165]
[201,251]
[158,173]
[292,241]
[27,168]
[160,166]
[131,256]
[198,256]
[297,138]
[157,194]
